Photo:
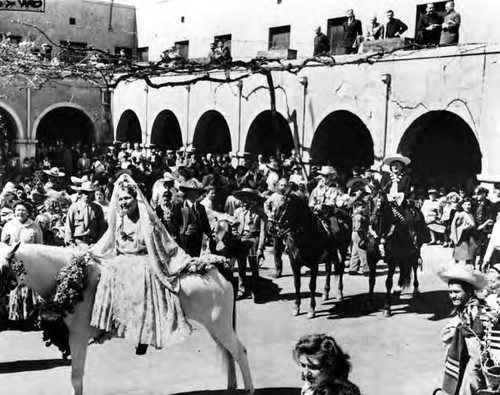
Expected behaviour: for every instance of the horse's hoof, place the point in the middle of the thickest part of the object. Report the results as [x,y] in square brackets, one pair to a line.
[325,297]
[387,313]
[295,311]
[311,314]
[416,293]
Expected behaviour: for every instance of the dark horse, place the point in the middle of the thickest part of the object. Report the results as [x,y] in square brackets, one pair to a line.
[308,244]
[401,230]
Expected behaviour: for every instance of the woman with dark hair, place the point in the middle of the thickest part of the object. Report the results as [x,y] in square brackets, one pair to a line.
[325,367]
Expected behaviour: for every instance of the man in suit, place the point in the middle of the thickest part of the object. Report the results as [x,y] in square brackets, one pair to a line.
[251,230]
[321,43]
[451,25]
[394,27]
[353,30]
[189,219]
[429,27]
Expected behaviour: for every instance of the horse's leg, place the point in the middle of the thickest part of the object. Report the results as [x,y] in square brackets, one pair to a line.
[328,271]
[372,265]
[416,290]
[312,289]
[228,361]
[339,274]
[296,280]
[79,332]
[388,285]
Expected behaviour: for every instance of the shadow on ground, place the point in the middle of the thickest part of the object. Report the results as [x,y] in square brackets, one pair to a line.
[436,304]
[259,391]
[32,365]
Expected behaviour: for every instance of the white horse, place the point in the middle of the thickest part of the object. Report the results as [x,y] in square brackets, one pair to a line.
[207,299]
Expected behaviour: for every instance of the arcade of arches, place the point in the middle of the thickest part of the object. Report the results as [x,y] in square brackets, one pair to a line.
[8,127]
[67,124]
[443,149]
[129,128]
[269,135]
[166,132]
[212,134]
[342,140]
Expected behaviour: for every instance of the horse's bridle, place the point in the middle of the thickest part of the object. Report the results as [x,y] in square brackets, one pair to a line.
[279,221]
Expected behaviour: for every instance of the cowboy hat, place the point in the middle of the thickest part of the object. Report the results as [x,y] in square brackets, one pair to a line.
[78,181]
[192,185]
[432,191]
[356,183]
[167,177]
[327,171]
[459,272]
[86,186]
[397,158]
[54,172]
[248,194]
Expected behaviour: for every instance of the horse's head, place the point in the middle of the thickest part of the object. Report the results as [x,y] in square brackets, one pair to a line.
[288,215]
[10,269]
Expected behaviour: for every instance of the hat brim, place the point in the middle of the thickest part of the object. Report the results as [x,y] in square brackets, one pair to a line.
[48,172]
[356,183]
[192,189]
[403,159]
[245,196]
[477,280]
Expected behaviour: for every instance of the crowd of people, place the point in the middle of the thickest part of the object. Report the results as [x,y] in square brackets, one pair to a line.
[432,29]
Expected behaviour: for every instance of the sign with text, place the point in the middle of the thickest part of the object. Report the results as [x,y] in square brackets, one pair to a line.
[22,5]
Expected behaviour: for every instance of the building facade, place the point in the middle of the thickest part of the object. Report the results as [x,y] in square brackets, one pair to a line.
[66,110]
[439,106]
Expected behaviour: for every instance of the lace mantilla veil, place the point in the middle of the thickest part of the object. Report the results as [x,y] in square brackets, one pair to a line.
[166,258]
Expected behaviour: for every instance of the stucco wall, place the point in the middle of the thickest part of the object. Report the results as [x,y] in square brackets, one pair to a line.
[159,23]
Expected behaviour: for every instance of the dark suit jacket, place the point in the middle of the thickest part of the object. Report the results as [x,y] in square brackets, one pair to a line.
[429,36]
[351,32]
[393,27]
[180,219]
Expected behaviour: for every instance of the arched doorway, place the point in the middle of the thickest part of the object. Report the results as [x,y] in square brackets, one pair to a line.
[129,128]
[342,140]
[67,124]
[443,149]
[9,130]
[269,135]
[166,132]
[212,134]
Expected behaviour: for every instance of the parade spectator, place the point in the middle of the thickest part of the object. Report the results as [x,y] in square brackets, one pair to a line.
[375,30]
[325,367]
[85,222]
[394,27]
[462,233]
[449,210]
[100,199]
[250,221]
[321,43]
[84,163]
[212,54]
[189,219]
[451,25]
[223,52]
[353,31]
[271,206]
[429,27]
[272,176]
[432,214]
[164,211]
[482,211]
[464,331]
[492,254]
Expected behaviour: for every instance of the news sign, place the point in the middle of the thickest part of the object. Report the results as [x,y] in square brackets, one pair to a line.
[22,5]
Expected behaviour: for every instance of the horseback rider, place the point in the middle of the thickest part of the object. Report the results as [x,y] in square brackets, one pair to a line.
[397,183]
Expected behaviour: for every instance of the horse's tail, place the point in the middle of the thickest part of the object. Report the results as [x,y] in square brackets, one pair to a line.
[229,276]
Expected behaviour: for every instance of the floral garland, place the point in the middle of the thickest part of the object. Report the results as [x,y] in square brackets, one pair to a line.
[203,264]
[70,284]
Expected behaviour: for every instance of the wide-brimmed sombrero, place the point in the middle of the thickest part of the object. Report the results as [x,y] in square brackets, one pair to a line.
[248,194]
[167,177]
[459,272]
[54,172]
[192,185]
[87,186]
[397,158]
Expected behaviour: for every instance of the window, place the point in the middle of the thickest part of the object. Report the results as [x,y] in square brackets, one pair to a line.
[143,54]
[72,21]
[439,8]
[335,33]
[183,47]
[279,1]
[182,19]
[73,52]
[225,38]
[279,37]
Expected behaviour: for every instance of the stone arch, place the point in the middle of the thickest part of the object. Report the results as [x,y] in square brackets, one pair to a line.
[166,132]
[11,124]
[269,135]
[444,150]
[129,128]
[68,122]
[342,140]
[212,134]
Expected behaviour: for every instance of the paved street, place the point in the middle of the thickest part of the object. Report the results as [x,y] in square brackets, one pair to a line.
[398,355]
